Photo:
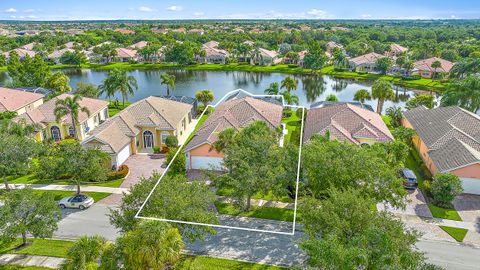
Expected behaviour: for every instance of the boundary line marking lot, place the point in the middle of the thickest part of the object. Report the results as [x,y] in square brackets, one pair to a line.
[180,148]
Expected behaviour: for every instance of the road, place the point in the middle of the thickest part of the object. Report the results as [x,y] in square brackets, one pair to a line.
[254,246]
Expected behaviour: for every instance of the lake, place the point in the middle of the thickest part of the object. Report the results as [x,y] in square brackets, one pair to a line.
[310,88]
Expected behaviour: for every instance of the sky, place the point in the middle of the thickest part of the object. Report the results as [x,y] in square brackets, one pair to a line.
[42,10]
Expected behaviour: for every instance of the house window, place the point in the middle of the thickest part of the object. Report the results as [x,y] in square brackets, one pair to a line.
[163,136]
[105,114]
[71,131]
[189,118]
[56,134]
[184,123]
[147,139]
[86,128]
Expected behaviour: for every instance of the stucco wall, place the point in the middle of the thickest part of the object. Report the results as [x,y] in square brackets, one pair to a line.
[206,151]
[472,171]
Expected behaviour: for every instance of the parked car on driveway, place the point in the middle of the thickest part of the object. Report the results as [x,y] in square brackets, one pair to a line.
[79,201]
[410,179]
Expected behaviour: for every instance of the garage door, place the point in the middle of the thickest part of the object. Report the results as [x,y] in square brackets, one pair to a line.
[470,185]
[123,155]
[206,163]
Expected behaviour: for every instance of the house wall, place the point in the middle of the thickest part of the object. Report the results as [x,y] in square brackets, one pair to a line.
[29,106]
[206,151]
[472,171]
[421,148]
[368,141]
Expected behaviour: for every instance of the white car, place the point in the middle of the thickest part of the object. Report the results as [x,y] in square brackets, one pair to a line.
[79,201]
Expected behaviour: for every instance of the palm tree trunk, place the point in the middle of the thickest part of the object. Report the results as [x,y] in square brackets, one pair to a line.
[7,188]
[123,100]
[249,199]
[380,106]
[24,239]
[74,128]
[78,187]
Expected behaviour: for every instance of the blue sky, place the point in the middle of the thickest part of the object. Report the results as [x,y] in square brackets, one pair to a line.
[237,9]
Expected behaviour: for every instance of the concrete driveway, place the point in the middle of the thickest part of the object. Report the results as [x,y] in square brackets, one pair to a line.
[142,165]
[416,205]
[468,207]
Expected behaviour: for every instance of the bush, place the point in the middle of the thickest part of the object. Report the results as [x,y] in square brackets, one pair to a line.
[156,149]
[171,141]
[298,113]
[444,188]
[287,113]
[178,165]
[122,172]
[292,65]
[200,109]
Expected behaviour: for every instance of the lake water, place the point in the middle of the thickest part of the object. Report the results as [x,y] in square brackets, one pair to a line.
[310,88]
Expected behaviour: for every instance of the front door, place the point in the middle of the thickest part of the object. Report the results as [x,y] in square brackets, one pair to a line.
[147,139]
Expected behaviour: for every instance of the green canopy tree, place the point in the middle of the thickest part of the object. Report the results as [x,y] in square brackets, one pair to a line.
[84,253]
[118,80]
[205,96]
[315,58]
[435,66]
[289,98]
[87,90]
[289,83]
[464,93]
[420,100]
[58,82]
[70,106]
[383,64]
[382,90]
[362,95]
[332,98]
[395,114]
[444,188]
[169,81]
[25,212]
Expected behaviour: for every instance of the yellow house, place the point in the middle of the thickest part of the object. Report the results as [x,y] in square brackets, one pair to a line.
[19,101]
[44,117]
[142,126]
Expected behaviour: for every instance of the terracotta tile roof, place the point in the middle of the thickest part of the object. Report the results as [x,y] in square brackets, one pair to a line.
[138,45]
[265,52]
[451,134]
[346,122]
[12,100]
[21,53]
[28,47]
[236,113]
[426,65]
[125,53]
[397,48]
[211,44]
[366,58]
[149,112]
[59,53]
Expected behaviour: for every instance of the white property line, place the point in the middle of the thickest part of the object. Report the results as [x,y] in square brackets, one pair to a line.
[229,94]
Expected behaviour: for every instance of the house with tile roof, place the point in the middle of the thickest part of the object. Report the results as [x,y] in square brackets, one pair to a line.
[233,113]
[126,55]
[424,67]
[395,50]
[213,55]
[141,126]
[22,53]
[448,140]
[50,128]
[264,57]
[19,101]
[346,122]
[365,63]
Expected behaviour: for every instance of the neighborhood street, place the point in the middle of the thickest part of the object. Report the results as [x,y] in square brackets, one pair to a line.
[254,246]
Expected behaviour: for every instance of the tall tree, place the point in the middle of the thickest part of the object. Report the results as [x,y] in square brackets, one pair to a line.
[289,83]
[118,80]
[169,81]
[25,212]
[205,96]
[383,64]
[58,82]
[315,58]
[289,98]
[70,106]
[362,95]
[395,114]
[87,90]
[382,90]
[273,89]
[464,93]
[420,100]
[84,253]
[435,66]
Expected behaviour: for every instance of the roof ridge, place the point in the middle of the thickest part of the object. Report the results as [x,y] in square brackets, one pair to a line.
[159,114]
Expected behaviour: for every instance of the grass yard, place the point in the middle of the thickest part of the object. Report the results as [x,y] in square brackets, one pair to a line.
[293,125]
[256,212]
[199,123]
[41,247]
[202,262]
[457,233]
[113,110]
[59,194]
[31,179]
[269,197]
[444,213]
[18,267]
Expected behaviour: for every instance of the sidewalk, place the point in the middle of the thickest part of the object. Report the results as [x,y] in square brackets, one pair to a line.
[31,260]
[439,221]
[69,188]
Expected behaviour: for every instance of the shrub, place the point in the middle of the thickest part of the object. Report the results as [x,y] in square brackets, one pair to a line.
[292,65]
[411,77]
[165,149]
[287,113]
[119,174]
[178,165]
[200,109]
[156,149]
[298,113]
[444,188]
[171,141]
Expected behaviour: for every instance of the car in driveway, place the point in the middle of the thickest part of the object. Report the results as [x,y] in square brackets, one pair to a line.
[79,201]
[409,179]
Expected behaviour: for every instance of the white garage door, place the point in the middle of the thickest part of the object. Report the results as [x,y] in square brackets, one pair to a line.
[206,163]
[123,155]
[470,185]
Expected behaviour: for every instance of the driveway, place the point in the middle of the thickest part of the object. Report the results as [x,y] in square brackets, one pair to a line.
[416,205]
[468,207]
[142,165]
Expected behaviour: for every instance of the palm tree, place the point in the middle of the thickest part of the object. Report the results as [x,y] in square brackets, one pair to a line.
[395,114]
[169,81]
[290,98]
[84,253]
[362,95]
[289,83]
[435,65]
[205,96]
[382,90]
[119,80]
[70,105]
[273,89]
[464,93]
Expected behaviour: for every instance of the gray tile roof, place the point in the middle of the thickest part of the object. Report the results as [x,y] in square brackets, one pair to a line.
[236,113]
[451,134]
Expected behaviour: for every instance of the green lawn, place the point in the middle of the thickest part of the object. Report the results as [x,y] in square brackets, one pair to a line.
[256,212]
[293,124]
[113,110]
[60,194]
[31,179]
[457,233]
[17,267]
[199,123]
[201,263]
[269,197]
[444,213]
[42,247]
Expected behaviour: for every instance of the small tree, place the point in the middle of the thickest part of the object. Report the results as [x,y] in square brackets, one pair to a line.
[169,81]
[420,100]
[205,97]
[178,165]
[85,253]
[273,89]
[444,188]
[383,64]
[395,114]
[331,98]
[382,90]
[435,66]
[362,95]
[58,82]
[26,212]
[404,134]
[289,83]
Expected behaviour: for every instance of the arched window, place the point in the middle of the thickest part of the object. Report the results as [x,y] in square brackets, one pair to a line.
[147,139]
[56,134]
[71,131]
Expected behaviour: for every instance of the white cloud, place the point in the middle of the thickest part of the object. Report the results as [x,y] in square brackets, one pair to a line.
[13,17]
[145,9]
[31,17]
[366,16]
[175,8]
[11,10]
[318,13]
[272,14]
[199,13]
[29,10]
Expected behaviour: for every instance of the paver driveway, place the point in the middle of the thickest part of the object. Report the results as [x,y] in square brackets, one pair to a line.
[141,165]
